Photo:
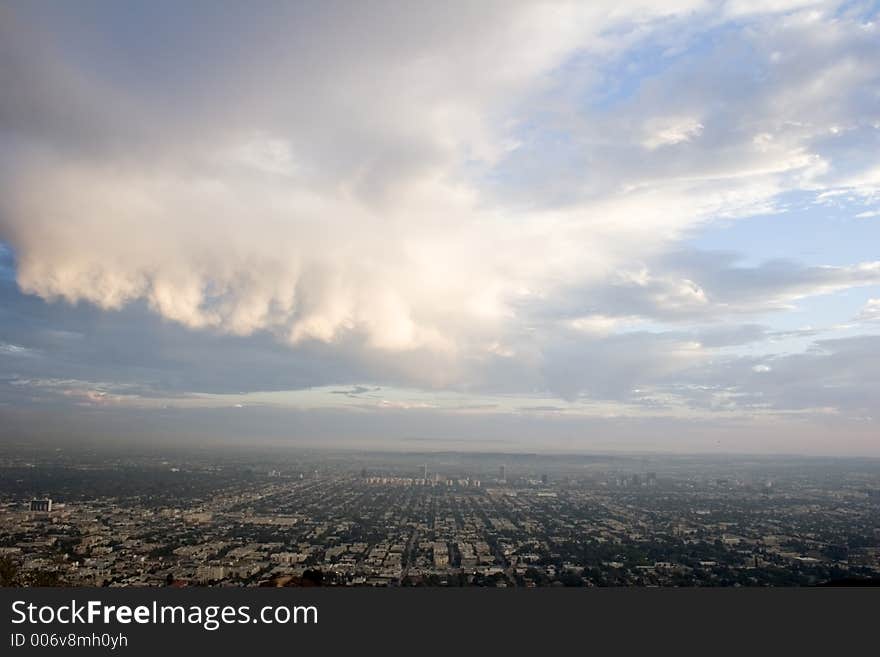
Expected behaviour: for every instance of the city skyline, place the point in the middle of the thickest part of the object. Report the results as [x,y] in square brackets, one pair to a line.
[513,226]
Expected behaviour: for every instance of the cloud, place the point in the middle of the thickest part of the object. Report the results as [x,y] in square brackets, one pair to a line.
[692,285]
[871,311]
[8,349]
[356,392]
[336,194]
[832,377]
[488,198]
[667,132]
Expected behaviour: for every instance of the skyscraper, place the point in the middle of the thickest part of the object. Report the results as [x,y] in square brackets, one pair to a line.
[502,473]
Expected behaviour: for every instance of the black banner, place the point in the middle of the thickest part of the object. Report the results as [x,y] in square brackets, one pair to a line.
[460,622]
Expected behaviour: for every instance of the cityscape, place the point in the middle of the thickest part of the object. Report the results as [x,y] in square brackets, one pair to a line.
[274,517]
[398,314]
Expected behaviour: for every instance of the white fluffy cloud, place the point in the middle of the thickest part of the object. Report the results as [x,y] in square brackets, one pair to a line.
[387,177]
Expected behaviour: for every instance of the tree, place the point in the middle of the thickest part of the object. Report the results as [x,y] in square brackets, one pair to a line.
[9,575]
[45,578]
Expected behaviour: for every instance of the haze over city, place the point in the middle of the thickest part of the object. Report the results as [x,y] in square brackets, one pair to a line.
[487,226]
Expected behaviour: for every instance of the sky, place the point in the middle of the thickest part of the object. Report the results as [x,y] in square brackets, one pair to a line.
[542,226]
